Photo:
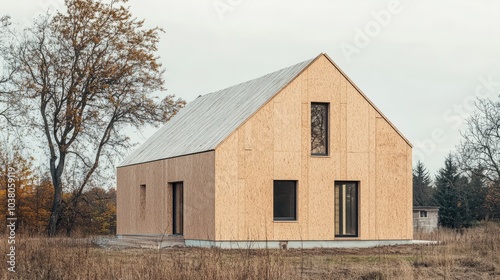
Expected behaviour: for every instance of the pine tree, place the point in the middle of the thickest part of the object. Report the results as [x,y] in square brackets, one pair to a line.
[453,207]
[476,191]
[423,191]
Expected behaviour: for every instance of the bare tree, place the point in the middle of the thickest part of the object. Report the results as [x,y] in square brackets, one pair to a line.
[88,73]
[8,96]
[4,75]
[479,151]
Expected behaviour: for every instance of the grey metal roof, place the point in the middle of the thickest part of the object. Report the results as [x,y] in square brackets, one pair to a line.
[205,122]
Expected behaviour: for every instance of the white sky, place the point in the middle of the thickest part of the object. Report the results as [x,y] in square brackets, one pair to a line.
[421,67]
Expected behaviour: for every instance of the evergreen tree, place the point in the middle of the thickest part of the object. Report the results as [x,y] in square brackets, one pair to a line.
[423,191]
[453,208]
[476,192]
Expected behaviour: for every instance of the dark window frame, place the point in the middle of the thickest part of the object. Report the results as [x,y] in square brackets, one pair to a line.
[327,128]
[290,217]
[339,183]
[423,214]
[142,200]
[175,203]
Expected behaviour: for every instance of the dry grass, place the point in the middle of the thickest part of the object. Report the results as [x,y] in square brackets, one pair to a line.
[470,254]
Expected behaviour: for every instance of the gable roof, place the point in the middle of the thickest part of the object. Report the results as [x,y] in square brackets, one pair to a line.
[209,119]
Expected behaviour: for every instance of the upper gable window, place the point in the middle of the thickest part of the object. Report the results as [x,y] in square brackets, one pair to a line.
[319,128]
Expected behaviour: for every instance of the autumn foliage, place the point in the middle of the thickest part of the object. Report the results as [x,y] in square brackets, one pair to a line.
[34,192]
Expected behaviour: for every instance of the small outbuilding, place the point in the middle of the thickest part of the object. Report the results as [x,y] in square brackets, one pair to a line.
[425,218]
[299,157]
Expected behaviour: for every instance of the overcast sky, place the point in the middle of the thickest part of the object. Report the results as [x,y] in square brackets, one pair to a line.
[421,62]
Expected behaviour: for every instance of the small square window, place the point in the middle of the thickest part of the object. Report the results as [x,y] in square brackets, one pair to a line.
[285,200]
[423,214]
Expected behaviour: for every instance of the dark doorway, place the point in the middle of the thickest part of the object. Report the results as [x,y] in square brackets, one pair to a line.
[177,208]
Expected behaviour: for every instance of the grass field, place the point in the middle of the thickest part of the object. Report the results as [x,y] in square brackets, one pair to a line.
[468,254]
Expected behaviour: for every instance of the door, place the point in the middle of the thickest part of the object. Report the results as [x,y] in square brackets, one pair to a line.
[346,209]
[178,208]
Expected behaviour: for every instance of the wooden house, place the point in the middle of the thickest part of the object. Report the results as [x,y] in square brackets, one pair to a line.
[298,157]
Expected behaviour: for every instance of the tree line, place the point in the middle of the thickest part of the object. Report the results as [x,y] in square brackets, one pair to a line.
[467,188]
[95,212]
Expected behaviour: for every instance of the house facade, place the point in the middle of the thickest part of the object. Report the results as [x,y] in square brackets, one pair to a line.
[299,156]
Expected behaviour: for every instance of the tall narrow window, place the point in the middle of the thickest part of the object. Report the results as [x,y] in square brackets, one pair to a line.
[177,208]
[346,209]
[319,128]
[285,200]
[142,201]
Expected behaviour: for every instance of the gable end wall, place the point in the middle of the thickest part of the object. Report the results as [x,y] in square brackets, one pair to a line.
[274,144]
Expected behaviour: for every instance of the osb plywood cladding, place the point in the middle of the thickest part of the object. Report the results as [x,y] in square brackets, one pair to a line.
[274,144]
[197,174]
[242,205]
[137,185]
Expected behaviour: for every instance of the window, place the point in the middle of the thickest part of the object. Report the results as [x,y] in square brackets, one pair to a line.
[346,209]
[177,208]
[319,128]
[142,201]
[423,214]
[285,200]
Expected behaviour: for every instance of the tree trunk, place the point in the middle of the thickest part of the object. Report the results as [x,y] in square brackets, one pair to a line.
[55,212]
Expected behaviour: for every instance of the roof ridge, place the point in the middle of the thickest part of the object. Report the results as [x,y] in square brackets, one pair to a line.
[254,79]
